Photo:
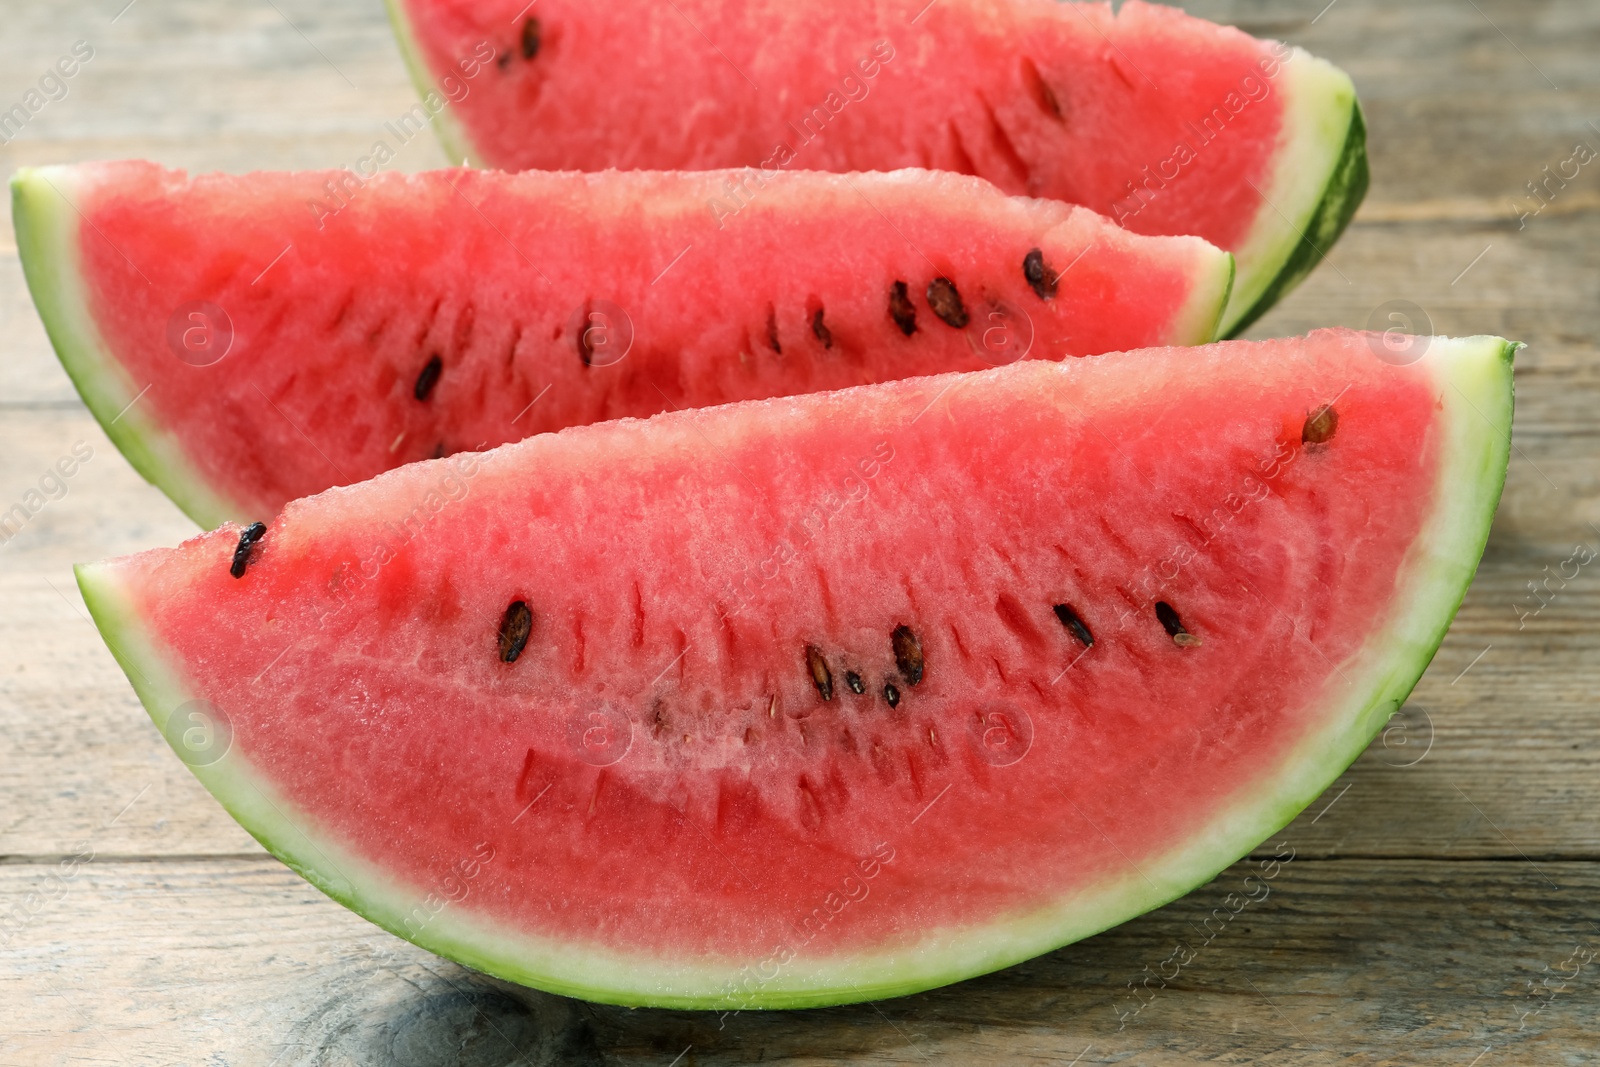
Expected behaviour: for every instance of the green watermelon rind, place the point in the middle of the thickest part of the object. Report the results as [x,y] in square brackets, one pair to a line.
[1475,388]
[1343,195]
[1319,179]
[47,227]
[452,135]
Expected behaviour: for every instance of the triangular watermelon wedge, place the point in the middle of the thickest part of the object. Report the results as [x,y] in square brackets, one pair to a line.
[836,696]
[1164,122]
[839,696]
[248,340]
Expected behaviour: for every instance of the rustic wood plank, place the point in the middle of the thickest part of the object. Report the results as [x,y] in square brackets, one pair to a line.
[1362,961]
[1441,81]
[1429,895]
[182,73]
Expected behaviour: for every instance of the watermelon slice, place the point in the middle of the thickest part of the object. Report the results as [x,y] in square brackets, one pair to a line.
[249,340]
[837,696]
[1164,122]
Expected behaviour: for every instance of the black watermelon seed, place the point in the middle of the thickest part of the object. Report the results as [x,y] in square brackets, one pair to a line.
[907,654]
[531,38]
[853,680]
[247,540]
[820,328]
[820,674]
[503,61]
[891,694]
[514,630]
[1074,622]
[946,302]
[1174,626]
[1320,426]
[900,309]
[1041,279]
[428,378]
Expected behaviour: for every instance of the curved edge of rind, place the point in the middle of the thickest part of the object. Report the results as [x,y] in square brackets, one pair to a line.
[1474,377]
[256,805]
[453,137]
[47,229]
[269,818]
[1196,322]
[1345,191]
[1318,180]
[1477,396]
[1214,329]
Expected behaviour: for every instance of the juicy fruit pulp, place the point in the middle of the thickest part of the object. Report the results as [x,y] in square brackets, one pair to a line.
[1164,122]
[284,333]
[835,696]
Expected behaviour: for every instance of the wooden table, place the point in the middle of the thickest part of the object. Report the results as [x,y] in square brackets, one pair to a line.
[1436,891]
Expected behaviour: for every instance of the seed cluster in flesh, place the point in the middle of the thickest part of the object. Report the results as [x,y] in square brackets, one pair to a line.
[515,626]
[908,661]
[943,296]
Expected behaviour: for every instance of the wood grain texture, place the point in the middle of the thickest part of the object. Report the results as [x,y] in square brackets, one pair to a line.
[1364,961]
[1446,875]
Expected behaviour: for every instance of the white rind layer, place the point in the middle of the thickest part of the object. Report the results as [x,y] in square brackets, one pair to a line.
[1319,108]
[44,209]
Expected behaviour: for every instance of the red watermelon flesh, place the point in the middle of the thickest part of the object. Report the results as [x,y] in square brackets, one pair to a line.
[1164,122]
[837,696]
[369,325]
